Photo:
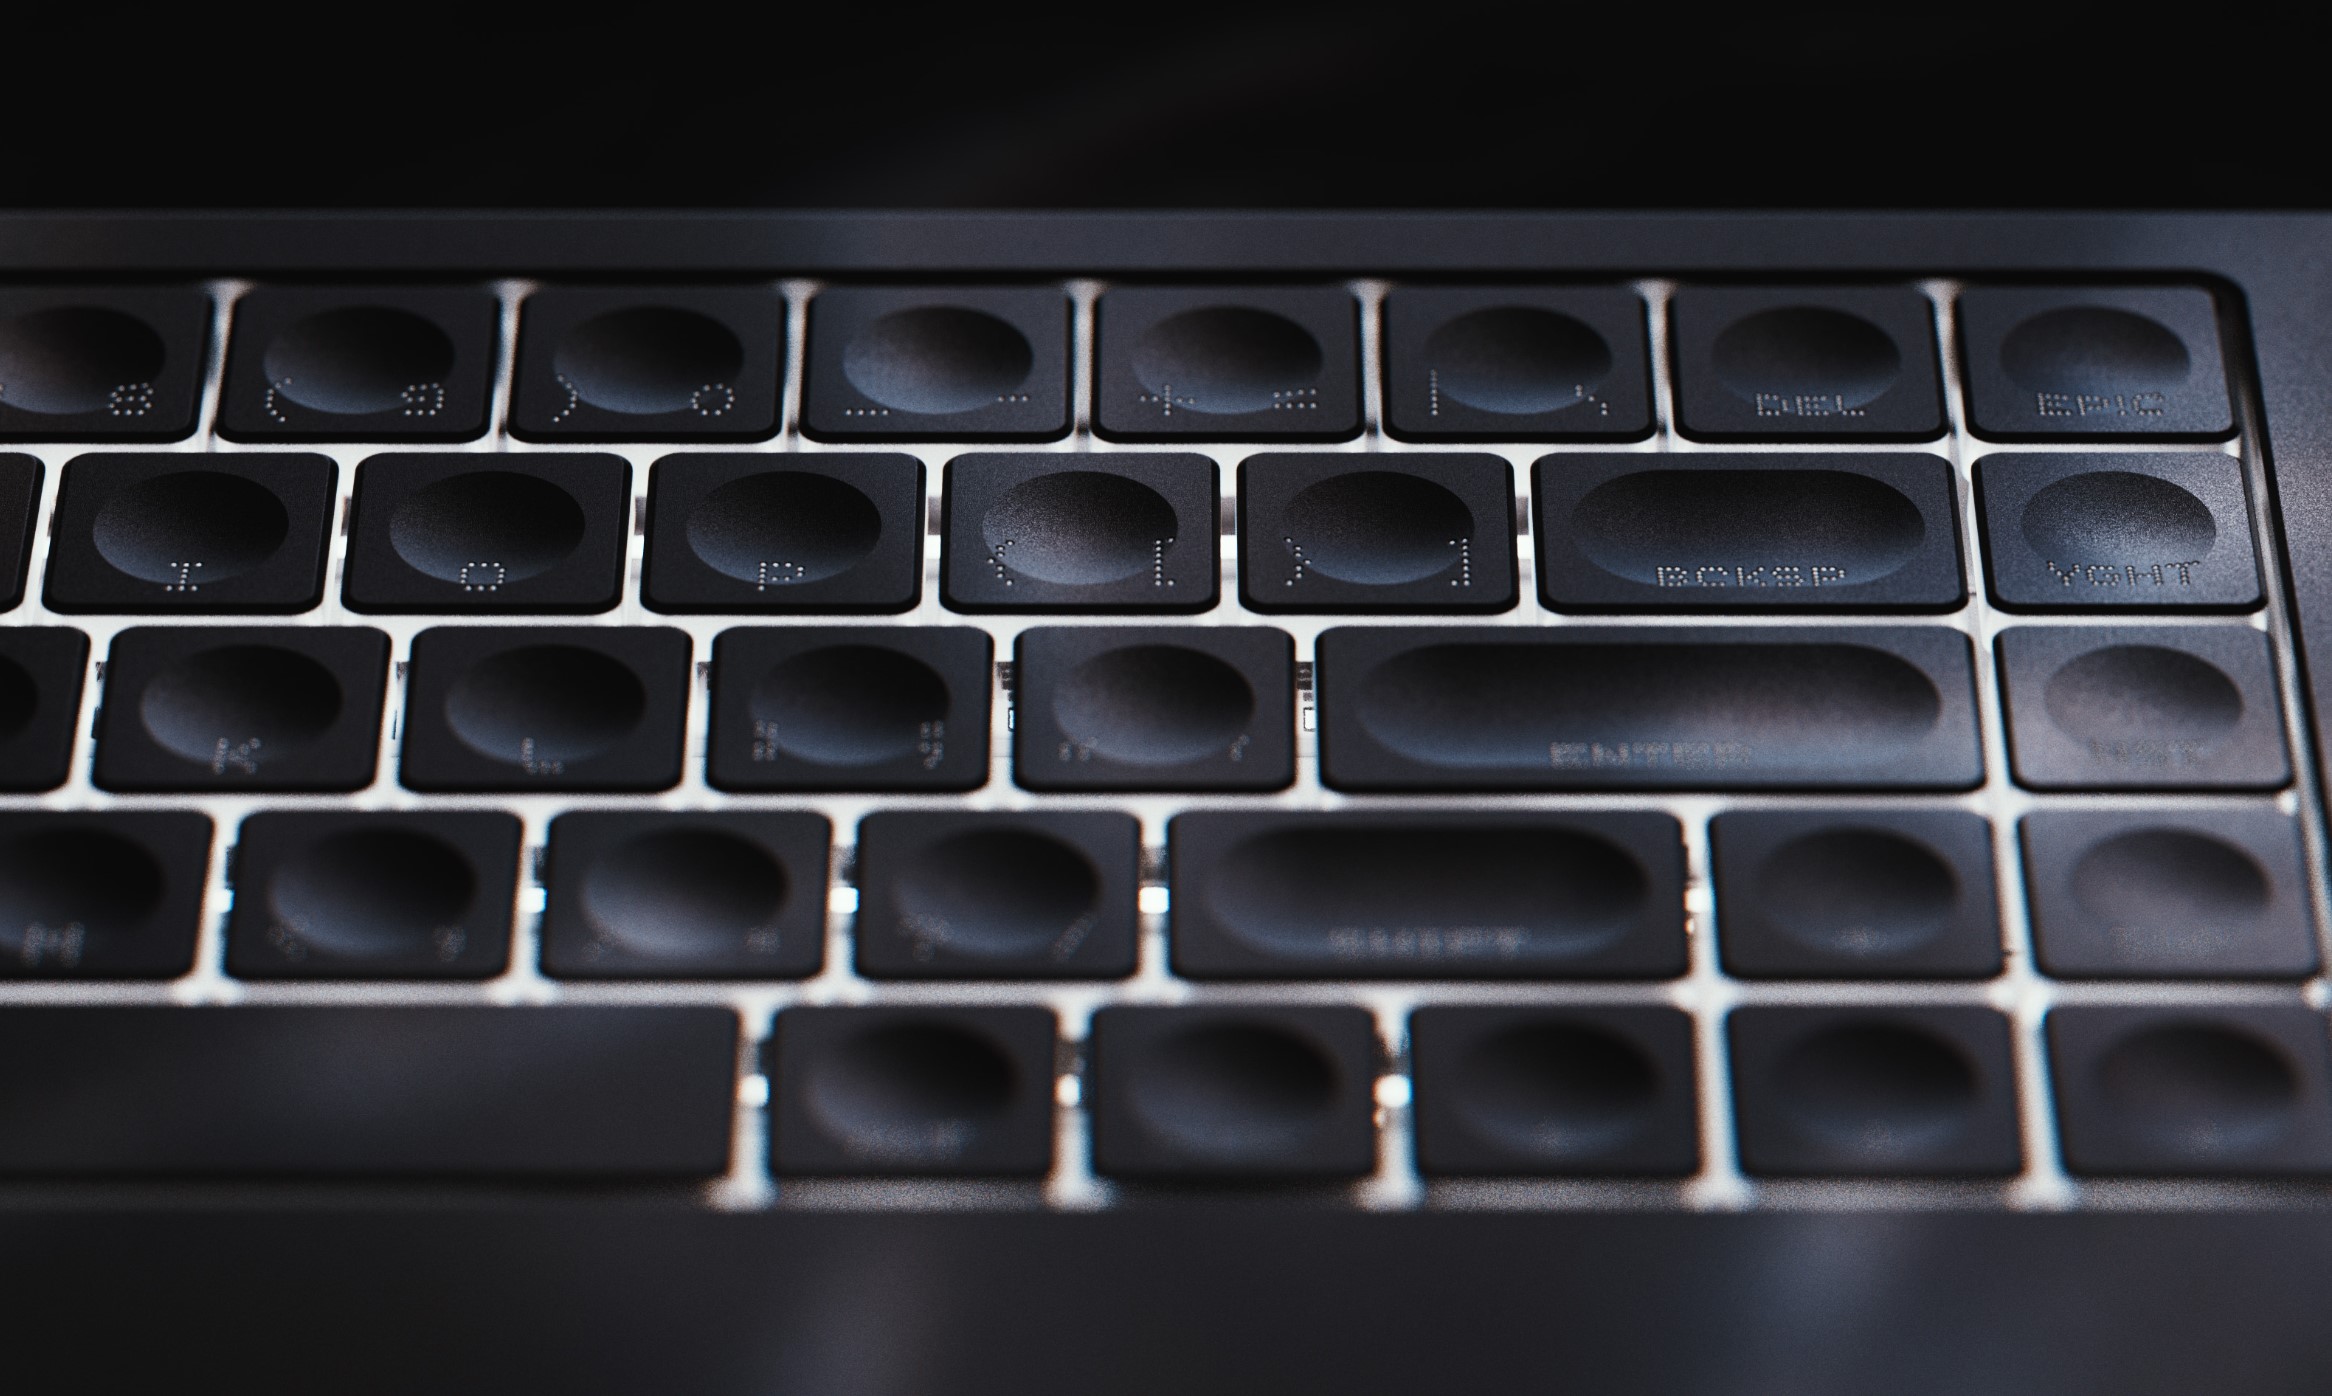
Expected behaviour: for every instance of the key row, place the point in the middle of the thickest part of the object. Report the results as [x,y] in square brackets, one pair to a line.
[2217,892]
[1510,363]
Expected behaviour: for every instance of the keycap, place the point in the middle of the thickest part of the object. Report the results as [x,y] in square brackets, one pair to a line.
[201,708]
[2065,363]
[355,1090]
[452,532]
[360,363]
[1856,894]
[41,668]
[934,1089]
[146,534]
[1516,363]
[1234,363]
[1323,532]
[122,363]
[1550,1091]
[1055,532]
[2192,1090]
[1427,895]
[1874,1091]
[1773,531]
[1153,708]
[919,363]
[1805,363]
[20,481]
[1260,1092]
[111,894]
[2131,708]
[2067,531]
[648,363]
[785,533]
[1590,708]
[686,894]
[324,894]
[993,895]
[2168,893]
[549,708]
[851,708]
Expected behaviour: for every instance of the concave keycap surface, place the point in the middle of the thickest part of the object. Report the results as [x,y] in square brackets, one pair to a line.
[1331,532]
[41,668]
[1124,531]
[930,1090]
[1854,363]
[2131,362]
[851,708]
[607,363]
[464,532]
[1554,1090]
[356,363]
[1860,894]
[241,707]
[20,480]
[1153,708]
[180,532]
[570,707]
[112,894]
[2120,531]
[967,363]
[118,362]
[1516,363]
[2092,708]
[1026,895]
[2209,1089]
[686,894]
[795,532]
[1874,1091]
[1237,363]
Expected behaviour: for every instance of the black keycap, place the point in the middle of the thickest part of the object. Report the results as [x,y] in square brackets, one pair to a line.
[2060,363]
[1031,895]
[79,363]
[1606,707]
[1238,363]
[1516,363]
[454,532]
[225,533]
[1266,1093]
[924,1090]
[2072,532]
[2169,893]
[573,708]
[1766,532]
[20,480]
[1877,1090]
[963,363]
[1053,532]
[609,363]
[41,668]
[851,708]
[1553,1091]
[1153,708]
[2192,1090]
[1806,363]
[793,532]
[359,363]
[111,895]
[241,708]
[323,894]
[363,1091]
[2190,707]
[686,894]
[1856,894]
[1418,895]
[1382,533]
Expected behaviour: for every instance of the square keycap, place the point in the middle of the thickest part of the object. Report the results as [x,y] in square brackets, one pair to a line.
[1856,894]
[450,532]
[686,894]
[41,669]
[1805,363]
[2189,1090]
[2068,363]
[2169,893]
[1876,1090]
[1153,708]
[836,531]
[147,534]
[1550,1091]
[550,708]
[656,363]
[919,363]
[2126,708]
[116,894]
[1326,532]
[2120,531]
[851,708]
[203,708]
[1029,895]
[932,1089]
[1124,531]
[360,363]
[20,479]
[325,894]
[1238,363]
[1516,363]
[1255,1092]
[118,363]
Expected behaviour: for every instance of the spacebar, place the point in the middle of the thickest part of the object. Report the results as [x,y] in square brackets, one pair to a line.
[590,1092]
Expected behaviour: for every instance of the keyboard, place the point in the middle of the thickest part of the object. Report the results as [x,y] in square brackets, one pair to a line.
[1247,737]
